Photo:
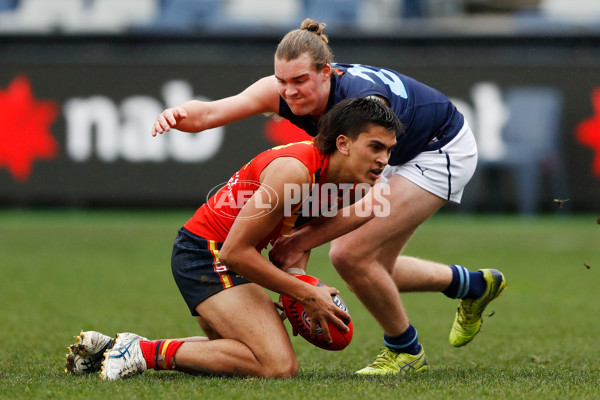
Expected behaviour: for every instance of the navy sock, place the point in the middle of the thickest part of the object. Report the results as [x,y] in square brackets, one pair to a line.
[465,284]
[407,342]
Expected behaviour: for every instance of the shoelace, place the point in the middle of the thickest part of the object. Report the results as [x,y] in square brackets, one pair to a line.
[464,310]
[467,308]
[382,359]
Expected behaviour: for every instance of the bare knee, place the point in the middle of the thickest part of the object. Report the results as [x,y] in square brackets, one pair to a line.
[353,269]
[281,369]
[288,371]
[345,261]
[280,363]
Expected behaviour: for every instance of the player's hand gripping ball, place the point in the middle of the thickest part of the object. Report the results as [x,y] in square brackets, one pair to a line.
[301,323]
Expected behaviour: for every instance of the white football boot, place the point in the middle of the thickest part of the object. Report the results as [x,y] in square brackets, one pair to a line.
[85,356]
[124,359]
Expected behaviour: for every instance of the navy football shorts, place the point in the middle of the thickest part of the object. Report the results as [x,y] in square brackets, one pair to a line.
[197,270]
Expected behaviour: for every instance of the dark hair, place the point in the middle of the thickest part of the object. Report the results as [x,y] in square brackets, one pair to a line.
[308,39]
[350,117]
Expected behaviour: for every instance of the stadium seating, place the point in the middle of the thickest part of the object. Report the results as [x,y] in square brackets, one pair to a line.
[269,13]
[8,5]
[187,15]
[41,16]
[77,16]
[336,12]
[117,15]
[578,11]
[530,150]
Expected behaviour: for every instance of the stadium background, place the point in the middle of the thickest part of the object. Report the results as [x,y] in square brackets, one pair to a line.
[82,80]
[78,94]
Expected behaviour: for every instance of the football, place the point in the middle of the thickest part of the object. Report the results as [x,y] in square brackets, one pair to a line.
[301,323]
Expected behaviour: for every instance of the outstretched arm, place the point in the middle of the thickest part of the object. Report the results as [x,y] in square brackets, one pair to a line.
[196,116]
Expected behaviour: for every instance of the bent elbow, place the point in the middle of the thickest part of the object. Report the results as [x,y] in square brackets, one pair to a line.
[233,257]
[226,256]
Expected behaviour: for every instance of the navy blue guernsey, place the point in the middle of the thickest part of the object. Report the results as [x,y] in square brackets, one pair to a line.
[429,118]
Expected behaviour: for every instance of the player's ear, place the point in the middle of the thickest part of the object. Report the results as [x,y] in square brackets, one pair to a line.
[326,71]
[343,144]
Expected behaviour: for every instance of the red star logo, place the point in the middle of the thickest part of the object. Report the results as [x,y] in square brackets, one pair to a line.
[25,129]
[281,131]
[587,132]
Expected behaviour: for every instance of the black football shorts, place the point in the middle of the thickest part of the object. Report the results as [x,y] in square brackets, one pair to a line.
[197,270]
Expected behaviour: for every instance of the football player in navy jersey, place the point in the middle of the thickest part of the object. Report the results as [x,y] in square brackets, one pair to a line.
[430,166]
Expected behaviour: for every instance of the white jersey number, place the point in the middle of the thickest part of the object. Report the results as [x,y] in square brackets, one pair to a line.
[387,77]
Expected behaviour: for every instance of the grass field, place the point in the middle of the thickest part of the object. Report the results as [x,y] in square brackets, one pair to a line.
[109,271]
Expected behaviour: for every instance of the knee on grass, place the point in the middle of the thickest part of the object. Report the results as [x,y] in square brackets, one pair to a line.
[280,370]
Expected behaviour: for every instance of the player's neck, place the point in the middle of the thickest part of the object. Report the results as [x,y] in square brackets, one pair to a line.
[337,172]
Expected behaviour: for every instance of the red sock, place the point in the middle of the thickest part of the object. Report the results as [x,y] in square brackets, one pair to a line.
[159,353]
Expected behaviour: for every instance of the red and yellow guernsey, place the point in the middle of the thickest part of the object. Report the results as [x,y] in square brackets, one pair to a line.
[214,219]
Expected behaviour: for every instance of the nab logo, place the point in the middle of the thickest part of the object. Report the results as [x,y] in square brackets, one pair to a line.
[25,129]
[96,128]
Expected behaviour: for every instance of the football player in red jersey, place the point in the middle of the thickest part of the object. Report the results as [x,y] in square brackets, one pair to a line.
[217,262]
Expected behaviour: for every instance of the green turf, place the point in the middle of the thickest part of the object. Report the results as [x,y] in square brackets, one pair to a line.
[109,271]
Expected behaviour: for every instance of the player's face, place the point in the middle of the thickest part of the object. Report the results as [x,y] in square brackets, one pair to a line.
[303,88]
[369,153]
